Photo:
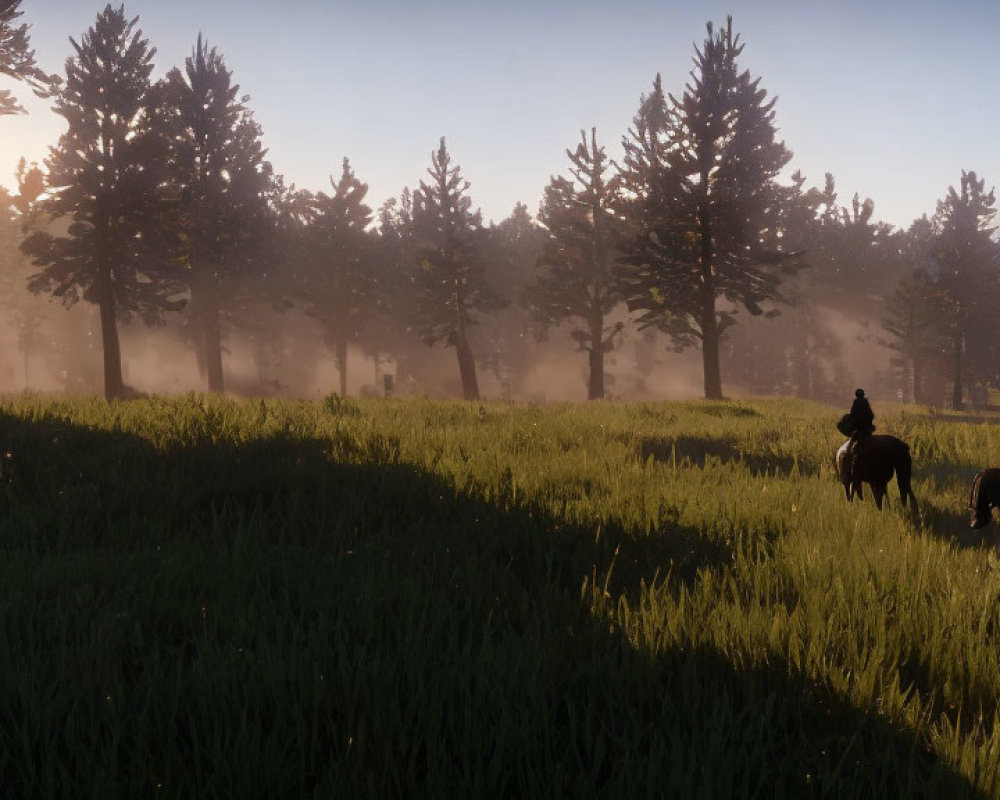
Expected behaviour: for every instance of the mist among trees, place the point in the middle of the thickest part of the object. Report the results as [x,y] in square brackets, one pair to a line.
[157,239]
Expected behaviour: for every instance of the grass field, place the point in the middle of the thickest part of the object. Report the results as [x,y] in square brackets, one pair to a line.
[203,597]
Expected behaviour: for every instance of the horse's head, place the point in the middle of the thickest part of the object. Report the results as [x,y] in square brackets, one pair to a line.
[977,520]
[983,495]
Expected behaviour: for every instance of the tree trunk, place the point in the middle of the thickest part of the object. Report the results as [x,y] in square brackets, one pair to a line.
[466,362]
[199,349]
[710,361]
[956,396]
[709,324]
[802,367]
[27,345]
[341,356]
[466,367]
[710,343]
[213,350]
[114,386]
[595,390]
[205,299]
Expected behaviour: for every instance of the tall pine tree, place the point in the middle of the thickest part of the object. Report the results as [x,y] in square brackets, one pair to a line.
[576,282]
[965,260]
[19,216]
[702,169]
[450,287]
[339,286]
[390,334]
[105,176]
[914,312]
[513,247]
[220,176]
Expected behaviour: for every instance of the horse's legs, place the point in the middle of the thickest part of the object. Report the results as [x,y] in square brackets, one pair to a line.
[858,491]
[878,490]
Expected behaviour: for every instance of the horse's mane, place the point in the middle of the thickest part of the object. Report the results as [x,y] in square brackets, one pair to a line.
[974,490]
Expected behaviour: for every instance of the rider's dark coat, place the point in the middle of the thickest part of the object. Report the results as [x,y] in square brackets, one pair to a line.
[862,415]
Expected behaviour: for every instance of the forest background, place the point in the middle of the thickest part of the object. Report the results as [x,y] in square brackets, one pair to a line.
[695,264]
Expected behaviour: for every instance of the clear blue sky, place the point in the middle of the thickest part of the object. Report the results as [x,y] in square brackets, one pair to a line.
[893,98]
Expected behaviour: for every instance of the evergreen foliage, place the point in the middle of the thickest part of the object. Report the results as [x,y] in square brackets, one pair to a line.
[220,178]
[155,195]
[576,283]
[965,260]
[17,59]
[853,263]
[105,176]
[512,249]
[450,286]
[702,171]
[340,285]
[913,315]
[20,310]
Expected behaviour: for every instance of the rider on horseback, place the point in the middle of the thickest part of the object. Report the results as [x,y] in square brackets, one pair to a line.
[859,420]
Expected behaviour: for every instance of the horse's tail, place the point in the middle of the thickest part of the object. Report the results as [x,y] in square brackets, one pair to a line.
[904,470]
[979,502]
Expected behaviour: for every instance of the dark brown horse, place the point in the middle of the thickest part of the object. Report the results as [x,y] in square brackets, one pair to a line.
[984,496]
[876,461]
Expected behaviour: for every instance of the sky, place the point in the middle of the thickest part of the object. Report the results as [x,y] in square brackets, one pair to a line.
[894,99]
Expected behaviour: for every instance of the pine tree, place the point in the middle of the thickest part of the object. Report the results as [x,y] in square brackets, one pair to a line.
[702,169]
[395,254]
[220,176]
[105,175]
[339,282]
[513,247]
[965,260]
[914,313]
[20,217]
[389,333]
[855,258]
[576,283]
[853,262]
[449,280]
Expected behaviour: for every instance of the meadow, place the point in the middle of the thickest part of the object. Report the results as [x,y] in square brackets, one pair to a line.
[207,597]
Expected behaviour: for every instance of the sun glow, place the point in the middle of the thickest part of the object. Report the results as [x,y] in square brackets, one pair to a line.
[27,136]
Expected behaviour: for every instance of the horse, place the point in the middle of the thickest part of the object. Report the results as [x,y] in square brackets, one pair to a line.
[874,463]
[984,495]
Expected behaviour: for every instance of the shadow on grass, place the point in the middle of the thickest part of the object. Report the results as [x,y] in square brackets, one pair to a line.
[948,474]
[952,525]
[696,450]
[724,408]
[313,616]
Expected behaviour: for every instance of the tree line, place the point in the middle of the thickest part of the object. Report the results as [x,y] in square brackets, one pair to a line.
[158,205]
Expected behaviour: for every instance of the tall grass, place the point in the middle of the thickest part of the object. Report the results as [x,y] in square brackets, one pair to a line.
[217,598]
